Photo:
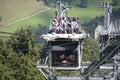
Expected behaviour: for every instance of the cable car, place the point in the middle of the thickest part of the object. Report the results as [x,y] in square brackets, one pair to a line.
[64,40]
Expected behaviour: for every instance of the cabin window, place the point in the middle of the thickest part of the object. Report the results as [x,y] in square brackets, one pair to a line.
[64,54]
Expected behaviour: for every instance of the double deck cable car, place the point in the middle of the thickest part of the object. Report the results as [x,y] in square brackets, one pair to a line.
[64,40]
[65,50]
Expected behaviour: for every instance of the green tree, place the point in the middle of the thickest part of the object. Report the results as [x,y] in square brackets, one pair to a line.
[18,57]
[6,72]
[53,2]
[90,50]
[116,2]
[84,3]
[22,41]
[1,46]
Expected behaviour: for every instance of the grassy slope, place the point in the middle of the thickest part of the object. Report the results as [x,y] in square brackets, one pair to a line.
[11,10]
[85,14]
[42,18]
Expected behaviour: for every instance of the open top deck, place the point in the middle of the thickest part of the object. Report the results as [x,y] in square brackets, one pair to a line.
[73,36]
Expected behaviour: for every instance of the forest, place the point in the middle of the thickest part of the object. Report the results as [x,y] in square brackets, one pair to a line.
[18,57]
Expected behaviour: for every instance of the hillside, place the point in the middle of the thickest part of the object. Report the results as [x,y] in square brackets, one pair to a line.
[11,10]
[43,18]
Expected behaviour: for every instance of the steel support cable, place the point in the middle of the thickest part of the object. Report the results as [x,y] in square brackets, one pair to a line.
[32,36]
[44,74]
[45,47]
[100,62]
[49,71]
[18,36]
[60,44]
[4,37]
[14,34]
[106,47]
[6,32]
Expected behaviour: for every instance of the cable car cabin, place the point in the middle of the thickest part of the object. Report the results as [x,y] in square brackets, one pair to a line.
[64,54]
[65,50]
[65,40]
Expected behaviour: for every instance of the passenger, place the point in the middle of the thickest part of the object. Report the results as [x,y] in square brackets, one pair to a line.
[69,29]
[55,23]
[58,29]
[78,21]
[71,57]
[62,56]
[74,25]
[64,62]
[53,26]
[68,21]
[79,27]
[58,21]
[62,24]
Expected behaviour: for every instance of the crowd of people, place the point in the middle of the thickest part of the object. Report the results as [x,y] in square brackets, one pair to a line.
[64,59]
[65,25]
